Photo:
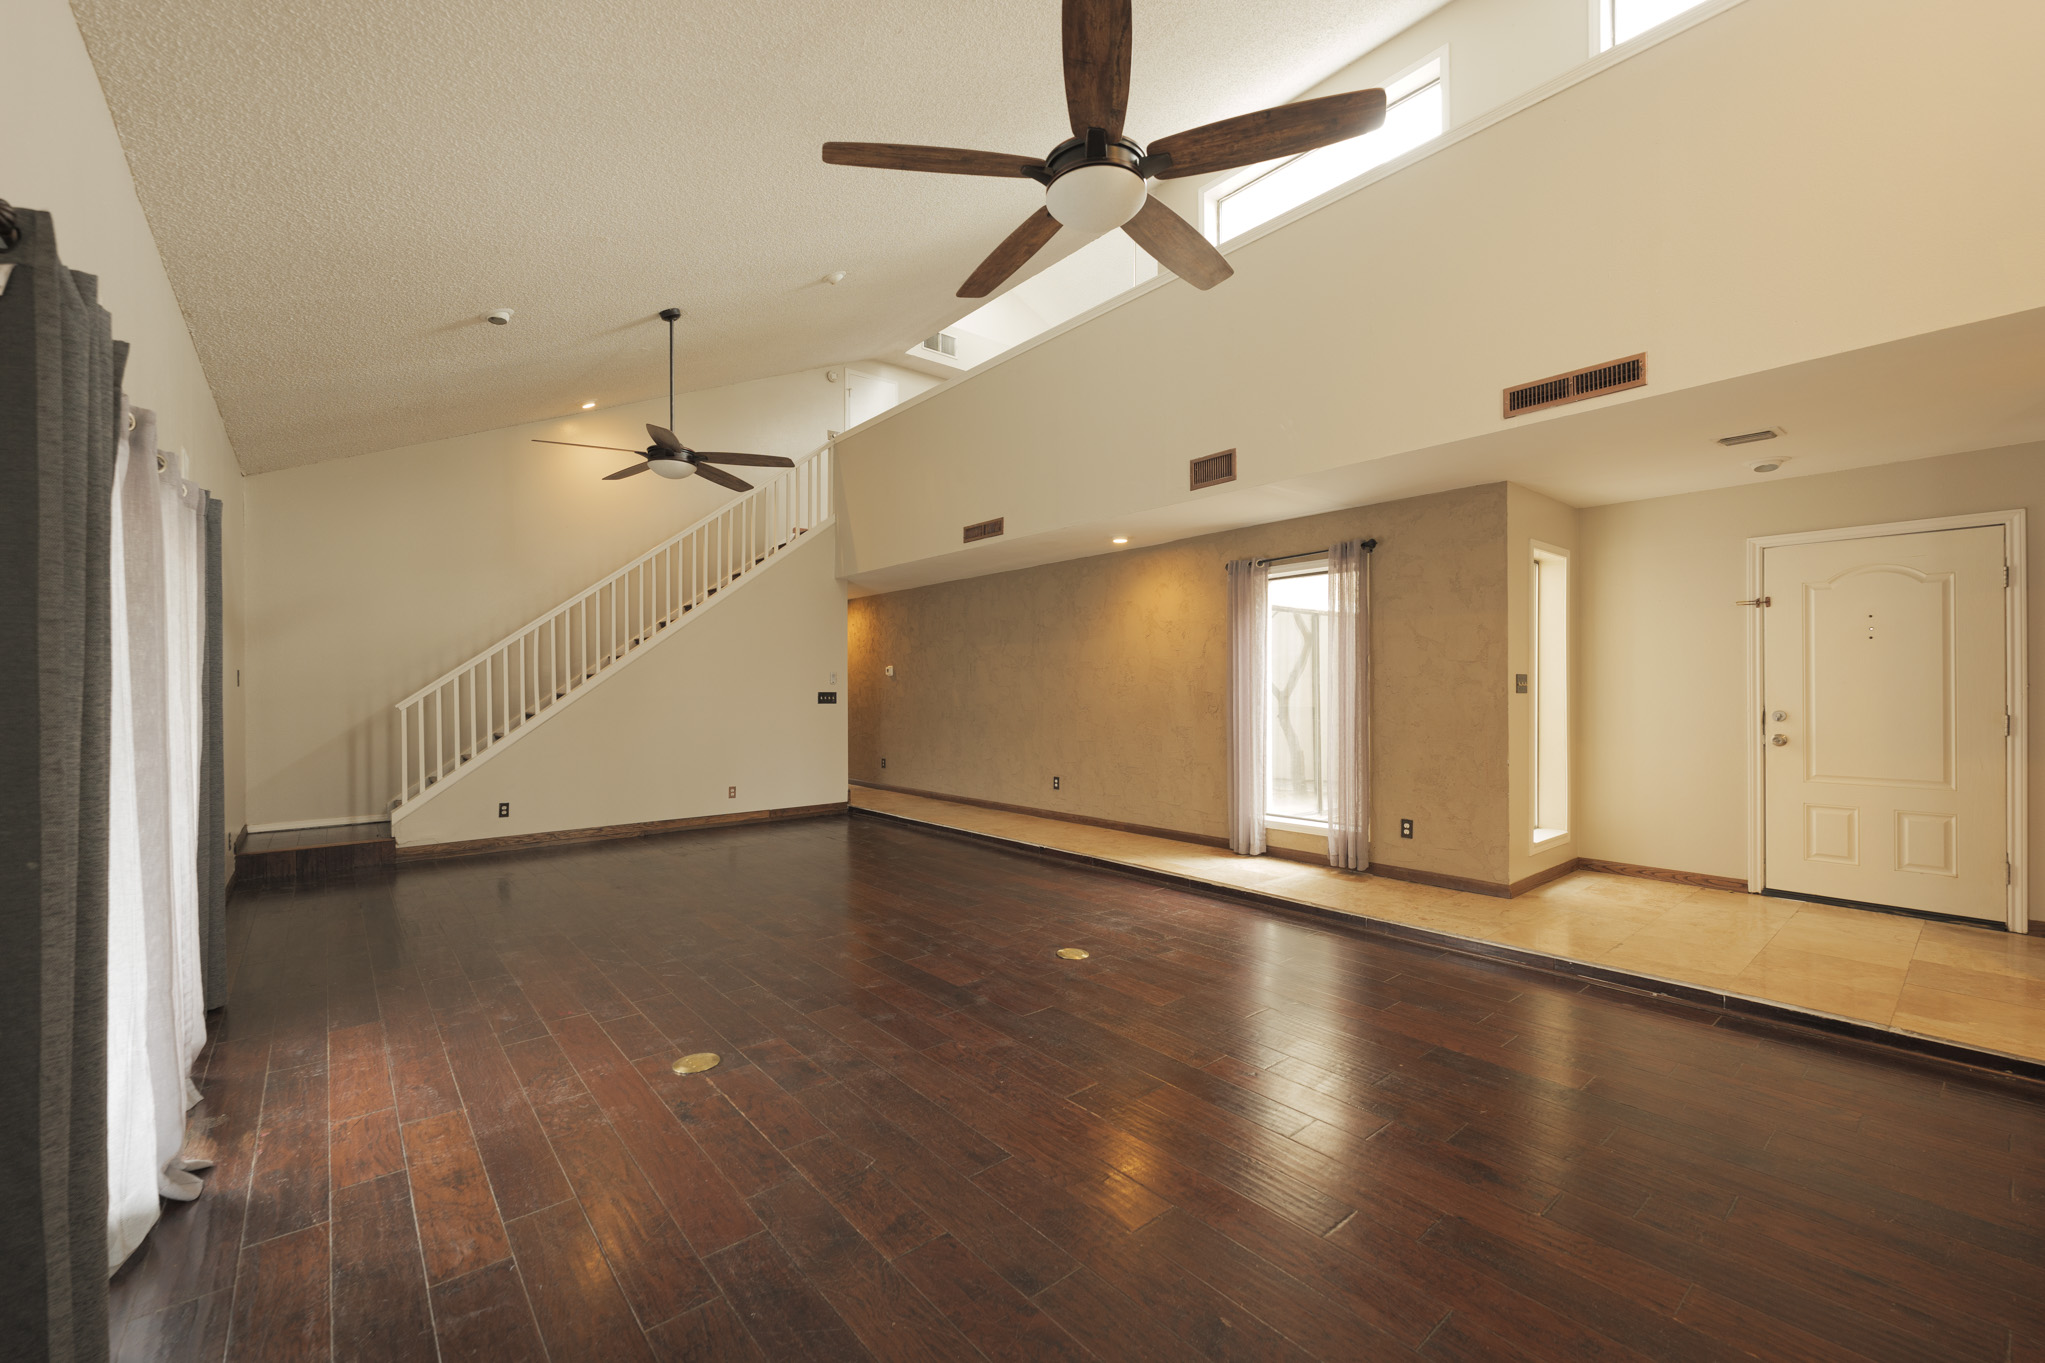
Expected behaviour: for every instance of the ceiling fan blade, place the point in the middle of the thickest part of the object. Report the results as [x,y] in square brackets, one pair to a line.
[936,160]
[1011,255]
[1171,240]
[765,461]
[626,473]
[666,438]
[1097,41]
[580,446]
[721,478]
[1268,134]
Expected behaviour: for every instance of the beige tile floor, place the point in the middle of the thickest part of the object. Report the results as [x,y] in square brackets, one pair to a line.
[1980,987]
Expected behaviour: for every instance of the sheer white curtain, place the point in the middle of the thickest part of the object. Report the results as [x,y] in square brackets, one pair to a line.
[1349,603]
[1248,643]
[155,1002]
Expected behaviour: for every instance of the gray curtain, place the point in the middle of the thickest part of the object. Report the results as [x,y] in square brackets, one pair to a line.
[1349,602]
[212,785]
[1249,688]
[60,384]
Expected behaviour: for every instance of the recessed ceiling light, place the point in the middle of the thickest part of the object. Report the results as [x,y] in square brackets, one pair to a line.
[1121,539]
[1766,465]
[587,405]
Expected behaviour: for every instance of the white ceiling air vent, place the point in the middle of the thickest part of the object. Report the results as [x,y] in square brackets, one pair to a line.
[1578,384]
[944,343]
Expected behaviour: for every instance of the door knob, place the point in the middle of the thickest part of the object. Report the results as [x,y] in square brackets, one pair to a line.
[1779,739]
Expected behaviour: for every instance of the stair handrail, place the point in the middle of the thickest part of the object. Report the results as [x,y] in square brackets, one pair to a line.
[444,678]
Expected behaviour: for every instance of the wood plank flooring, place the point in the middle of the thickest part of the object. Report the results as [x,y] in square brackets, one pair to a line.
[445,1127]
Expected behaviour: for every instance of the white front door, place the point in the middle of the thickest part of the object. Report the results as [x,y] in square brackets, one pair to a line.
[1883,687]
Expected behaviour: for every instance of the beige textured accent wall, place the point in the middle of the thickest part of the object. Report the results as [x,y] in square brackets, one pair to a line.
[1110,673]
[1662,729]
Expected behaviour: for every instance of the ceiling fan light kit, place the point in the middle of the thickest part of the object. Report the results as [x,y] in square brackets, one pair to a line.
[1095,180]
[1095,197]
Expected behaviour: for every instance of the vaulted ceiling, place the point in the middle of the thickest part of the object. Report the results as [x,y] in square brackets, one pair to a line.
[342,190]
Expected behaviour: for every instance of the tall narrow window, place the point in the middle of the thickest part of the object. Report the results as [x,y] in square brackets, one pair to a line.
[1416,112]
[1548,693]
[1623,20]
[1301,663]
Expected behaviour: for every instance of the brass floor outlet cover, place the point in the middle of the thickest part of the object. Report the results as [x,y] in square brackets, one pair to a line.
[697,1063]
[1073,953]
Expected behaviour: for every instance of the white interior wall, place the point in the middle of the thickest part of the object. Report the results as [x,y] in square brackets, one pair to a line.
[62,155]
[1387,322]
[370,576]
[727,700]
[1662,730]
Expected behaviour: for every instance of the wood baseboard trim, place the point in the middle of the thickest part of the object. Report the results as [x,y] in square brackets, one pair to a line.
[1538,878]
[1202,839]
[479,847]
[1646,991]
[1496,889]
[1697,878]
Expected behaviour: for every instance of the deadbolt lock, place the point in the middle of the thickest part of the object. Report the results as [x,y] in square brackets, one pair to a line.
[1779,739]
[1779,716]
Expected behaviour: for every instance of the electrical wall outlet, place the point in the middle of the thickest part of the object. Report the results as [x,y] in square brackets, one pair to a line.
[884,764]
[731,792]
[504,810]
[1054,783]
[1405,828]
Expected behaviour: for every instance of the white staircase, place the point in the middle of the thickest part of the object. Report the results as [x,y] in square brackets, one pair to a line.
[455,723]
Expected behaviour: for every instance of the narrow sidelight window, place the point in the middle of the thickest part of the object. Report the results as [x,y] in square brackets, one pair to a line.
[1548,693]
[1301,665]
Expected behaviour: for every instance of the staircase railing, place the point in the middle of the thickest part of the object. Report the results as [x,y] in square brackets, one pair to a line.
[472,711]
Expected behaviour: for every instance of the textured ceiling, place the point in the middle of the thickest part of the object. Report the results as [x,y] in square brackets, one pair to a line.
[341,190]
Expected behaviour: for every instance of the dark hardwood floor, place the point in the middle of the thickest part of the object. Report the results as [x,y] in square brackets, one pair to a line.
[444,1121]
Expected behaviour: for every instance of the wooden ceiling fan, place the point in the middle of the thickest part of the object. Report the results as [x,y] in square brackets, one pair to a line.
[667,455]
[1095,180]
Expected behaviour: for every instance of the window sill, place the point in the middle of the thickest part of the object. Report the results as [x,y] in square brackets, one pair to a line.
[1283,824]
[1545,838]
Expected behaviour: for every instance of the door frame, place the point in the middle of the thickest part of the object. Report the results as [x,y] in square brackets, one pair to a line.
[2016,677]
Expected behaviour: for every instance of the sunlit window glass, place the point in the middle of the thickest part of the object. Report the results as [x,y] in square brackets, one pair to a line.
[1302,681]
[1412,120]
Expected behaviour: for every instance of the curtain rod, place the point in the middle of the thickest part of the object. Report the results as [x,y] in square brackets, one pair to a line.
[1369,546]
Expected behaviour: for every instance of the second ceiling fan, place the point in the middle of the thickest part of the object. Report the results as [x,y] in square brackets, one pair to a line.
[667,455]
[1095,180]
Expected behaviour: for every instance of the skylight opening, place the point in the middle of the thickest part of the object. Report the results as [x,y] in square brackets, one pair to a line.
[1106,267]
[1417,114]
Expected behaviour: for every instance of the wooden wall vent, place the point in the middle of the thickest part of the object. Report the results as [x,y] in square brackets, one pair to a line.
[985,530]
[1578,384]
[1213,469]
